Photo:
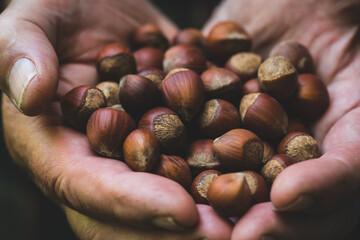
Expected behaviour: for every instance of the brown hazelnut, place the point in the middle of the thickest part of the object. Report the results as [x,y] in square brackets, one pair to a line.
[118,107]
[269,151]
[174,168]
[277,77]
[141,150]
[251,86]
[300,146]
[222,83]
[78,104]
[148,57]
[107,129]
[154,74]
[166,126]
[311,99]
[183,91]
[274,166]
[184,56]
[191,36]
[239,149]
[150,35]
[218,117]
[244,64]
[138,94]
[229,194]
[114,61]
[226,39]
[258,188]
[296,125]
[200,185]
[263,115]
[200,156]
[111,92]
[297,53]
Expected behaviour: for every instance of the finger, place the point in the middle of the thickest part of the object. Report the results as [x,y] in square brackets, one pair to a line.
[330,181]
[29,65]
[261,222]
[211,226]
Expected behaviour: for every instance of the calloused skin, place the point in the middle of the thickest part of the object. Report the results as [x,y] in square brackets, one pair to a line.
[331,31]
[102,198]
[101,191]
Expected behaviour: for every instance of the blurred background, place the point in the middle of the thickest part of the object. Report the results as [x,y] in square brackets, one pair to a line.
[25,214]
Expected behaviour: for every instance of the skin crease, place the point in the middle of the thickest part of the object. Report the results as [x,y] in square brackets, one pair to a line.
[63,166]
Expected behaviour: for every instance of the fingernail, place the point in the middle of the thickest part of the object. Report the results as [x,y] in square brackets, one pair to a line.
[21,73]
[301,203]
[266,237]
[167,223]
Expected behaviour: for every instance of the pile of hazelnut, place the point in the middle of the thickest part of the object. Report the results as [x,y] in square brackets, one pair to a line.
[223,133]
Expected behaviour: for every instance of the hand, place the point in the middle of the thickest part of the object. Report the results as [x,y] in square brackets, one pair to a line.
[313,199]
[47,48]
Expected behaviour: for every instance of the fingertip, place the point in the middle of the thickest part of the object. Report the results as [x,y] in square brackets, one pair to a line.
[31,87]
[316,185]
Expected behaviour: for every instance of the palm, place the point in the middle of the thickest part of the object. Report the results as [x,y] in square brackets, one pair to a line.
[330,36]
[74,175]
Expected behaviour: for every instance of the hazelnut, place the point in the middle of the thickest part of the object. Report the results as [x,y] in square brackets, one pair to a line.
[191,36]
[183,91]
[111,92]
[184,56]
[226,39]
[222,83]
[239,149]
[263,115]
[300,146]
[297,53]
[148,57]
[154,74]
[311,99]
[277,77]
[118,107]
[218,117]
[229,194]
[258,188]
[78,104]
[269,151]
[138,94]
[107,129]
[150,35]
[200,185]
[174,168]
[166,126]
[274,166]
[296,125]
[244,64]
[141,150]
[251,86]
[114,61]
[200,156]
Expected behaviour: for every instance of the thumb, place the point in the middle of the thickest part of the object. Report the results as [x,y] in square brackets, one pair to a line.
[29,65]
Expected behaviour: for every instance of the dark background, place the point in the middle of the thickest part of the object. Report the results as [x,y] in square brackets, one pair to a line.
[25,214]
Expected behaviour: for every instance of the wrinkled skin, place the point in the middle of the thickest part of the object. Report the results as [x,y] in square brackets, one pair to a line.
[98,195]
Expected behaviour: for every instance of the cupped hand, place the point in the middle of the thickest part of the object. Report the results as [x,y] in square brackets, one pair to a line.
[315,199]
[47,48]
